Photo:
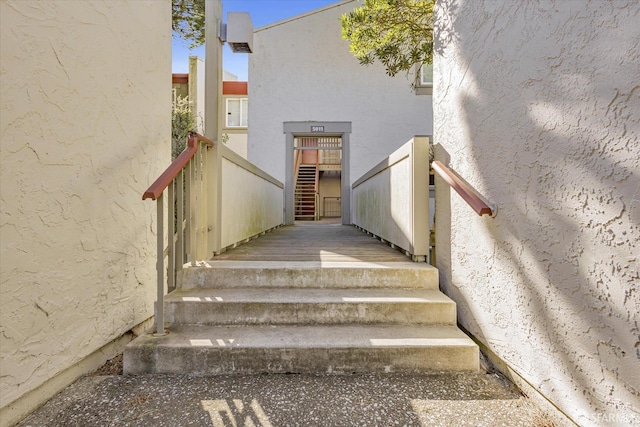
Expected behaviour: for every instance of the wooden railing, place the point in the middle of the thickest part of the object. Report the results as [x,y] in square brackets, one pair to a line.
[391,200]
[464,190]
[185,182]
[296,164]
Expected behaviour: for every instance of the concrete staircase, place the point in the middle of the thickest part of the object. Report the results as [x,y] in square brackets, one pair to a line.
[306,317]
[305,193]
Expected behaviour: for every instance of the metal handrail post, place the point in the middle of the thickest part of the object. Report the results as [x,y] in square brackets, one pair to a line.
[160,269]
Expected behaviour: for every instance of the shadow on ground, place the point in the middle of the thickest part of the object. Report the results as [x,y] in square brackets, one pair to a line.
[484,399]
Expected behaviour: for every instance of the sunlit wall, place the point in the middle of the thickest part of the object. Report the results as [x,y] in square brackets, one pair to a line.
[537,105]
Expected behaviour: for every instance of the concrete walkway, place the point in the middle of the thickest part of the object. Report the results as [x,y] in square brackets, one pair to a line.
[290,400]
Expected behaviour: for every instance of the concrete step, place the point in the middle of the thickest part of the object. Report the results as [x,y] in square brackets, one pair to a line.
[309,274]
[309,306]
[209,350]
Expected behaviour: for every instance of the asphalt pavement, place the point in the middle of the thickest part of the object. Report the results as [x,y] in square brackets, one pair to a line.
[442,399]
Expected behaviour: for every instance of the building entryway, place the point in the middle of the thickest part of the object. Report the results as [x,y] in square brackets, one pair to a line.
[317,184]
[317,175]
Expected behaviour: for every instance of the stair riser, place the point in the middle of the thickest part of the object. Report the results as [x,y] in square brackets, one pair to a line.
[327,277]
[215,313]
[216,361]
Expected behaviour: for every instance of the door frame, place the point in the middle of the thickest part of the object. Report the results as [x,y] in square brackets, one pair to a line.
[293,130]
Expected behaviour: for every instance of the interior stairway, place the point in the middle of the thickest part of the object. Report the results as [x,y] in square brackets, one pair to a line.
[253,317]
[305,193]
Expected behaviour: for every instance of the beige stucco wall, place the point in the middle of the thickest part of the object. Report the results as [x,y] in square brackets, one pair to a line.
[85,128]
[538,106]
[237,140]
[301,69]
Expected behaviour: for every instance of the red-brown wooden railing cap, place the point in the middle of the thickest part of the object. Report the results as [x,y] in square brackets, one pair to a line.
[155,190]
[467,194]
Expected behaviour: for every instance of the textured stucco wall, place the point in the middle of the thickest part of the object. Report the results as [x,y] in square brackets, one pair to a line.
[302,70]
[85,127]
[537,104]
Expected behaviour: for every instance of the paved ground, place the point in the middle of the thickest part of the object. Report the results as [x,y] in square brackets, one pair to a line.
[290,400]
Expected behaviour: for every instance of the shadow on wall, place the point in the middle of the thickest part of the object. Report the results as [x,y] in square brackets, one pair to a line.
[553,139]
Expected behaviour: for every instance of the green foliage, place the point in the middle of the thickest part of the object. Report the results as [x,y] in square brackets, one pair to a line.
[182,122]
[188,20]
[398,33]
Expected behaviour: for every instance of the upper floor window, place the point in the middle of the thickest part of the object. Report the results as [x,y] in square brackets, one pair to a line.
[424,84]
[237,112]
[426,75]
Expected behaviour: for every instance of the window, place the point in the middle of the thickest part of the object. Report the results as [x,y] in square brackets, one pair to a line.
[424,84]
[237,112]
[426,75]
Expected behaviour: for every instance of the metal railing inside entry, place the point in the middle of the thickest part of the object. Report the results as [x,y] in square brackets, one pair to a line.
[331,207]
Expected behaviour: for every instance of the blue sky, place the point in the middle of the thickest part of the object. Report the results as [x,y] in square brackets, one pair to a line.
[262,12]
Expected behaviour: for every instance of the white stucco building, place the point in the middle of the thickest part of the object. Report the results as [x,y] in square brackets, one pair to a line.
[537,105]
[85,121]
[301,74]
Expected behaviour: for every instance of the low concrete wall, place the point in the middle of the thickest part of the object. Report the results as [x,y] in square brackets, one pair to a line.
[392,199]
[250,202]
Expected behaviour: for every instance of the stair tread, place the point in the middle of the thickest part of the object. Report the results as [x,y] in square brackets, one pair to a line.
[311,336]
[317,265]
[309,295]
[348,305]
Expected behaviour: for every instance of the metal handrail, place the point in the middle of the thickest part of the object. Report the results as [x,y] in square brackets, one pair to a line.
[185,181]
[465,191]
